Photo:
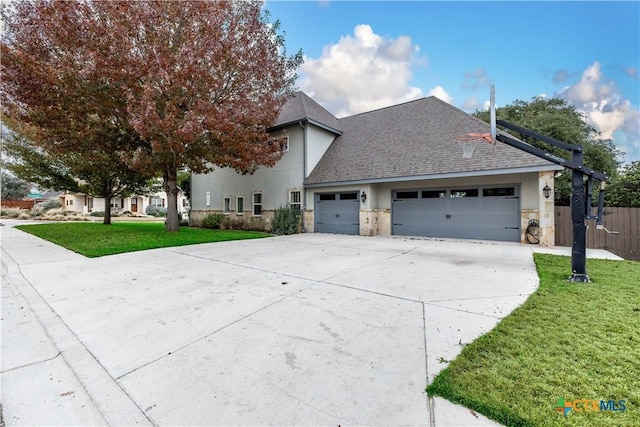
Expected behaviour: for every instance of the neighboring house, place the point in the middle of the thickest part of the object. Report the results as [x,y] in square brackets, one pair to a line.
[135,204]
[394,171]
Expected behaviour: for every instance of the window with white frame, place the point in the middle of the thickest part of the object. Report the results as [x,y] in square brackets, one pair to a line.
[207,198]
[295,200]
[282,141]
[227,205]
[157,202]
[257,204]
[117,203]
[240,205]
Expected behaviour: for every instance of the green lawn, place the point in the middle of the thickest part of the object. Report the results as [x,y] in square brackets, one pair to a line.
[94,240]
[567,341]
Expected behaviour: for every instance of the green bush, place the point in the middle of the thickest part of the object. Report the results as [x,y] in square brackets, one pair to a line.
[286,220]
[97,213]
[213,221]
[156,211]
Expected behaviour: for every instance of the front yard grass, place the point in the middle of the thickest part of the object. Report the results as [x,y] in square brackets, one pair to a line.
[567,341]
[95,240]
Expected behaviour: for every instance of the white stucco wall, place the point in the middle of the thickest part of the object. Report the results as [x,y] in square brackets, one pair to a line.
[318,141]
[274,183]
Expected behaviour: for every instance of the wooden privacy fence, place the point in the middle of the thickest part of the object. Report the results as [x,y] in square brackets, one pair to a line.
[625,220]
[21,204]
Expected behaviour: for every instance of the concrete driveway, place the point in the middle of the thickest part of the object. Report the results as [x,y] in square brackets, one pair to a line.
[310,329]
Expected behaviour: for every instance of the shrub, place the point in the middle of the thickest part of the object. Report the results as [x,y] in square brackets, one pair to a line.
[24,215]
[97,213]
[286,220]
[41,208]
[127,213]
[57,212]
[156,211]
[12,212]
[213,221]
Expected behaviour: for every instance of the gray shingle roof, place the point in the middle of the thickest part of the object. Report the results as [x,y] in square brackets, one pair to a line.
[302,108]
[416,138]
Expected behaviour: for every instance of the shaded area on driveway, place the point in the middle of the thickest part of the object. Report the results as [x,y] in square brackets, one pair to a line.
[308,329]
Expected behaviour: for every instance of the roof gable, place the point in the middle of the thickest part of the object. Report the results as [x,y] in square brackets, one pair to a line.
[416,138]
[302,108]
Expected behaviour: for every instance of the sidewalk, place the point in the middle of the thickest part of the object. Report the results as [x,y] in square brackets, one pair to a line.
[48,377]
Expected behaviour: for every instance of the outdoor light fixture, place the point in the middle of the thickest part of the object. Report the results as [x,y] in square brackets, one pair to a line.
[363,197]
[546,191]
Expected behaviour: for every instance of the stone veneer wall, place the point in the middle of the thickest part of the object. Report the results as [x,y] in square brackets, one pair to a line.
[547,212]
[544,214]
[308,221]
[375,222]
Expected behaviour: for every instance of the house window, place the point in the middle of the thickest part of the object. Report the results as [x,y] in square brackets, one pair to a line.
[257,204]
[240,205]
[157,202]
[117,204]
[282,141]
[295,200]
[207,198]
[227,204]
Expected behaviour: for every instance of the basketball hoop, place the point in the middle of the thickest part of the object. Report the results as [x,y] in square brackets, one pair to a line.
[469,142]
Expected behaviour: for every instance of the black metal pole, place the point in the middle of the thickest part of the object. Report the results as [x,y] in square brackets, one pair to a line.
[579,235]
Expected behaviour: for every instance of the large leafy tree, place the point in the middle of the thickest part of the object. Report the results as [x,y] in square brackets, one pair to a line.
[559,120]
[13,188]
[68,123]
[103,175]
[624,189]
[198,83]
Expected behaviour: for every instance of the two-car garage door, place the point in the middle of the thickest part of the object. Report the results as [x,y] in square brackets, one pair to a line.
[491,213]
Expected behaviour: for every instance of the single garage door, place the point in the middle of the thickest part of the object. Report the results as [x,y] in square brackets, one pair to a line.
[486,213]
[337,213]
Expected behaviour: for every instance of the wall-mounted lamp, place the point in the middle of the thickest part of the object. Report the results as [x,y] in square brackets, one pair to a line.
[363,197]
[546,191]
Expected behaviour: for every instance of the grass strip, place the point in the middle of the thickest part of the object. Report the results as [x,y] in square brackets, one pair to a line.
[567,341]
[96,240]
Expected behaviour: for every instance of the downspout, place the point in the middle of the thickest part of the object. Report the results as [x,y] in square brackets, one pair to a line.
[304,173]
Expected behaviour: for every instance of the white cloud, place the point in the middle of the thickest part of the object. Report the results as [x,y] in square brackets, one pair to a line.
[439,92]
[602,103]
[362,72]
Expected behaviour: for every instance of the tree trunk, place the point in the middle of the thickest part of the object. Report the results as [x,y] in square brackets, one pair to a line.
[171,188]
[107,210]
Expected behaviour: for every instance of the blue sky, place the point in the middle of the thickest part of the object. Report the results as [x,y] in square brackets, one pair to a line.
[365,55]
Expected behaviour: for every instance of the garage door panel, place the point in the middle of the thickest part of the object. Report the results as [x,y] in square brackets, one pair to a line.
[334,214]
[470,214]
